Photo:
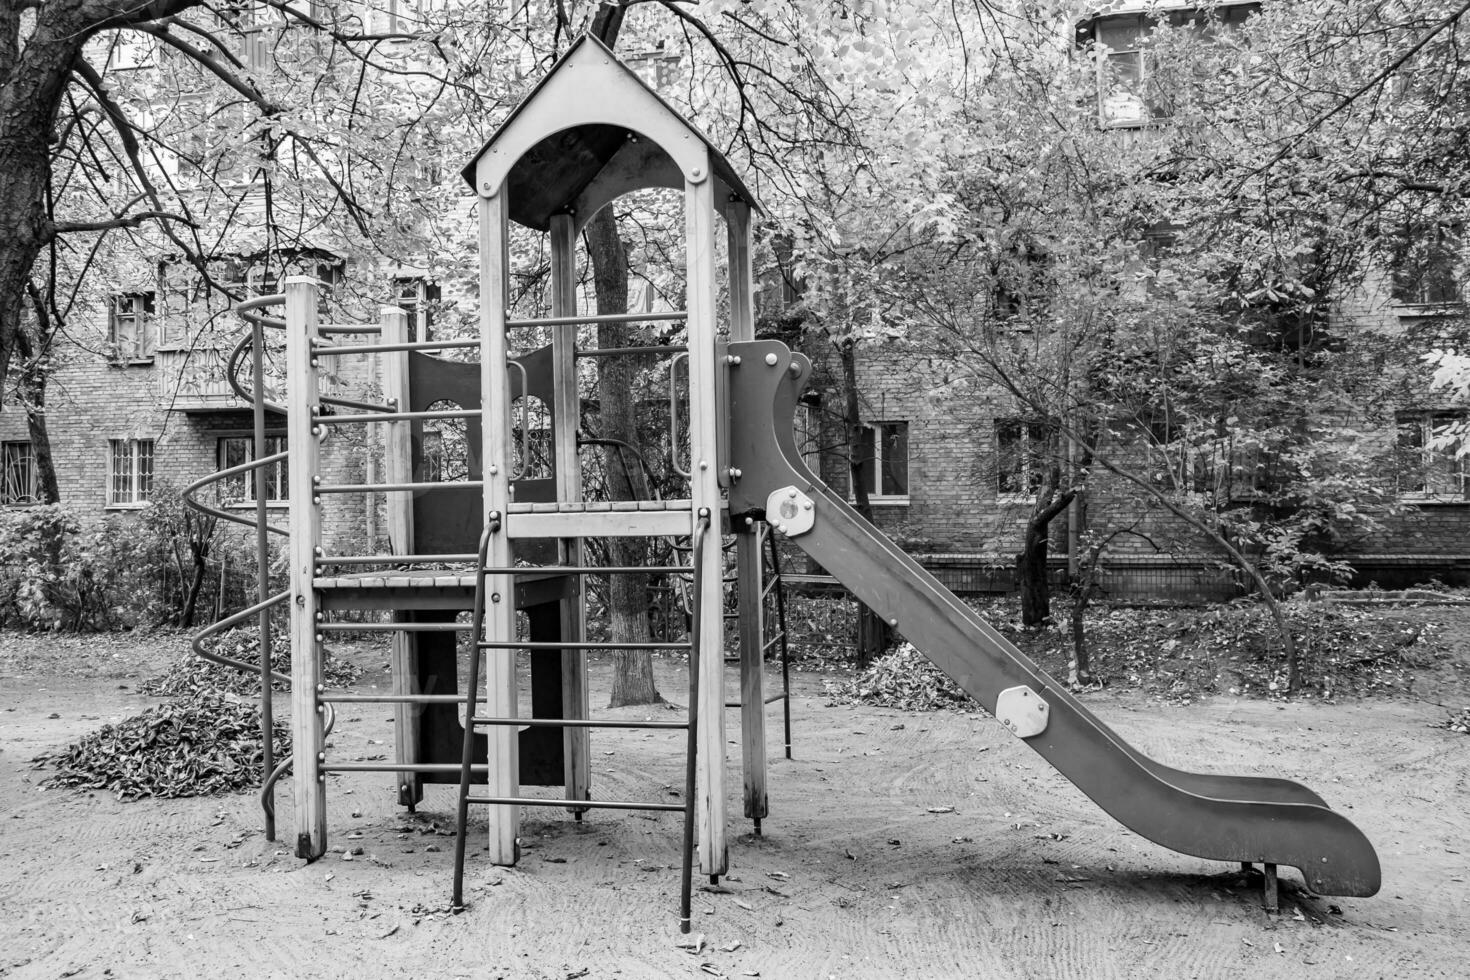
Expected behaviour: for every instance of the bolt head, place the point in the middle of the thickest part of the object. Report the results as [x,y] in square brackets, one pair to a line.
[771,359]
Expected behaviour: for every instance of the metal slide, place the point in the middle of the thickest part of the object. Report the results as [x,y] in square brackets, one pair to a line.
[1217,817]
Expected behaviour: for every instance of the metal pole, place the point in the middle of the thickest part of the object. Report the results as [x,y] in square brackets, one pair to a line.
[262,573]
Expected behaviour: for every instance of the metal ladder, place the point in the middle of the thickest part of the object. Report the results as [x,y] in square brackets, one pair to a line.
[474,721]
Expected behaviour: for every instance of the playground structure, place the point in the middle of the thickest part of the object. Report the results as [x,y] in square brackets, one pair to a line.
[588,134]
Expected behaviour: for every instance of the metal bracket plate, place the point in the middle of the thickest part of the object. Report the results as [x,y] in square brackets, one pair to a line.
[1022,711]
[790,512]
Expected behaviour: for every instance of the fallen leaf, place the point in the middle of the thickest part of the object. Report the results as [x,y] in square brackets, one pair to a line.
[941,809]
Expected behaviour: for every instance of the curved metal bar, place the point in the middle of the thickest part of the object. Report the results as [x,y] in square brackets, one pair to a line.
[232,370]
[224,515]
[228,622]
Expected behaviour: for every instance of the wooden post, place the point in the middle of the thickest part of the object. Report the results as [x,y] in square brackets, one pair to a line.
[398,468]
[566,412]
[752,671]
[503,778]
[302,435]
[748,546]
[699,220]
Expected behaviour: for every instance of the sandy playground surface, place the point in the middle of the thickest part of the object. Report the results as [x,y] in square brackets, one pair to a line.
[1016,874]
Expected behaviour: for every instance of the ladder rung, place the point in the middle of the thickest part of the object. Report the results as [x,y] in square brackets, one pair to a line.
[554,645]
[398,767]
[773,641]
[394,627]
[578,723]
[772,699]
[574,804]
[393,698]
[591,318]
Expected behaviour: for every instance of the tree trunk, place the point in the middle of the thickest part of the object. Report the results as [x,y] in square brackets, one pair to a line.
[1031,574]
[1031,559]
[873,634]
[628,602]
[32,391]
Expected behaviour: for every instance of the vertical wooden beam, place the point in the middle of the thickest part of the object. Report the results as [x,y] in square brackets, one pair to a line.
[304,401]
[752,670]
[398,468]
[748,544]
[699,222]
[576,742]
[500,665]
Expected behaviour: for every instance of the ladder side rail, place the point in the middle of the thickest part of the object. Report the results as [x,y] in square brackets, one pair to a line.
[496,452]
[302,439]
[398,469]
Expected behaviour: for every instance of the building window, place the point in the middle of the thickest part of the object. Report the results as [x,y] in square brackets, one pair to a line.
[17,473]
[1131,91]
[1023,451]
[418,298]
[883,460]
[240,489]
[130,327]
[130,473]
[1426,265]
[807,428]
[1430,463]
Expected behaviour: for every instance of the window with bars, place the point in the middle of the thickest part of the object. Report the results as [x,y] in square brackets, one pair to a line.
[883,460]
[130,472]
[17,474]
[240,489]
[130,327]
[1430,456]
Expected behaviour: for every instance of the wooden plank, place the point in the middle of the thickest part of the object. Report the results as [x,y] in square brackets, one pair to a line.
[603,525]
[751,627]
[576,743]
[699,221]
[303,399]
[503,776]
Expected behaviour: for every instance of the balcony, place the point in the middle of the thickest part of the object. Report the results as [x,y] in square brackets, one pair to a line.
[193,380]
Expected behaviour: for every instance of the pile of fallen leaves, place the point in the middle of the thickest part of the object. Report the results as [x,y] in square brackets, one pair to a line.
[904,678]
[206,743]
[1459,721]
[1235,647]
[194,673]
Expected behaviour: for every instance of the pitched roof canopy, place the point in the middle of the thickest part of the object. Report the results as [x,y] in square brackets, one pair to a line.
[590,131]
